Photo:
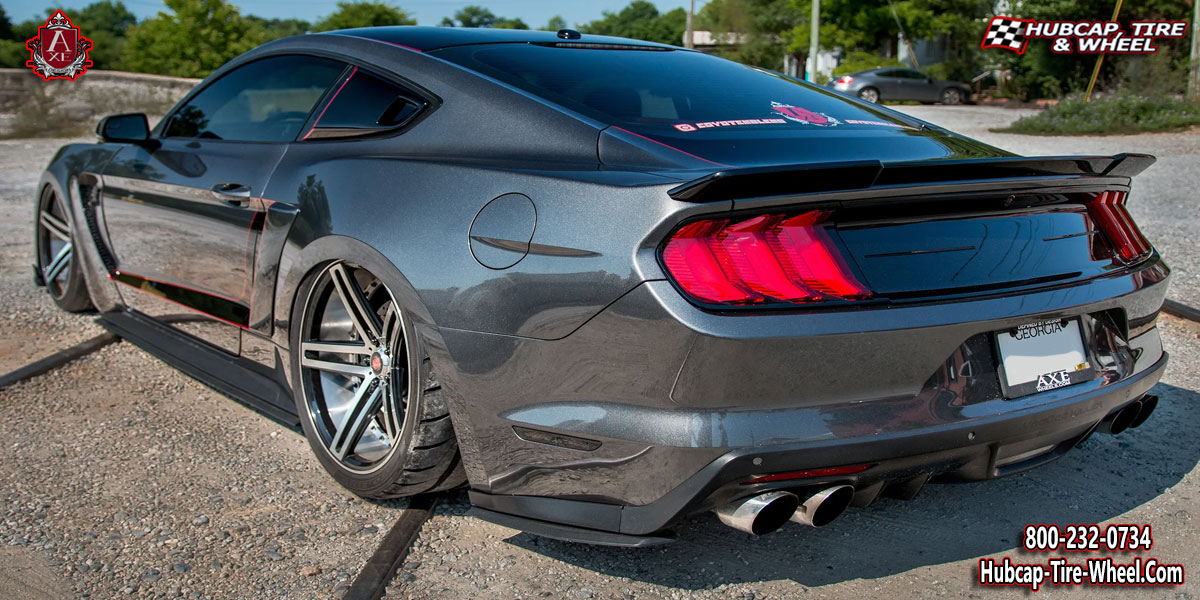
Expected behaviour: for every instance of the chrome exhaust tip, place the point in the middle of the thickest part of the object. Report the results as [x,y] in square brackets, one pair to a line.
[823,507]
[1149,403]
[1121,419]
[761,514]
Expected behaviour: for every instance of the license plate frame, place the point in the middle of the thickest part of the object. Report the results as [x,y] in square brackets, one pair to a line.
[1041,356]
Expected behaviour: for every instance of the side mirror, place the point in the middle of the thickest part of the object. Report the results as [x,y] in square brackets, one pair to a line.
[132,128]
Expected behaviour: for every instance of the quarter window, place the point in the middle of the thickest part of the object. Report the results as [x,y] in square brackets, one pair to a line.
[267,100]
[365,104]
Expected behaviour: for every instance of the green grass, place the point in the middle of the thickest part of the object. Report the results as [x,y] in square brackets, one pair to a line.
[1120,113]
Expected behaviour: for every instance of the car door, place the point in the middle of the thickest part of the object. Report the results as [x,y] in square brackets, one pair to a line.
[891,86]
[184,212]
[919,87]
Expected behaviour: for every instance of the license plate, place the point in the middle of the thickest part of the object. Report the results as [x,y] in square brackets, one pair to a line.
[1042,356]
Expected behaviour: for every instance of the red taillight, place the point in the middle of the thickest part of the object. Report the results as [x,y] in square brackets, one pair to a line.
[1107,209]
[762,260]
[845,79]
[827,472]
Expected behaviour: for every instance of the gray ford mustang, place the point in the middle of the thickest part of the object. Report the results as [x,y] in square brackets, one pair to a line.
[607,284]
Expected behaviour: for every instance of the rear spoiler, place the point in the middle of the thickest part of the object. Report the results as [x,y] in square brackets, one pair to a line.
[756,182]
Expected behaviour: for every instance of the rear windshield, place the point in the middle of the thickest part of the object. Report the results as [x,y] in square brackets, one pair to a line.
[666,91]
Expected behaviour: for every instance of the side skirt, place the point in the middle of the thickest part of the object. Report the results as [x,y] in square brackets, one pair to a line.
[570,533]
[230,375]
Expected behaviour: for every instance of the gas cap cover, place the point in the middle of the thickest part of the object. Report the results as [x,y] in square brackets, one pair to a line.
[501,232]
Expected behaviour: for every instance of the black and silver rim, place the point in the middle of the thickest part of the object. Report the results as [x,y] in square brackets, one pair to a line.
[55,250]
[869,94]
[951,97]
[355,367]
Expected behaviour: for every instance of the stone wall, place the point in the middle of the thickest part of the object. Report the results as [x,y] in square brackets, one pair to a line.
[32,107]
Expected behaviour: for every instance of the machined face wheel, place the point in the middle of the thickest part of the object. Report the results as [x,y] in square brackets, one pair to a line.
[54,245]
[951,96]
[869,94]
[357,373]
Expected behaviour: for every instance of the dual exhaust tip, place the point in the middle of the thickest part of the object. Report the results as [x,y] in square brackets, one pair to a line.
[1131,415]
[764,513]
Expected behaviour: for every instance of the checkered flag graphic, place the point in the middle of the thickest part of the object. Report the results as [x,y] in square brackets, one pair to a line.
[1006,33]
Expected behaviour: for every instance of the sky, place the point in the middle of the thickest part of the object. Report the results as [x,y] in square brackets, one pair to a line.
[535,13]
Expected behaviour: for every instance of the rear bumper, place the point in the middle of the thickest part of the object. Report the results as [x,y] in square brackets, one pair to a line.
[985,448]
[655,408]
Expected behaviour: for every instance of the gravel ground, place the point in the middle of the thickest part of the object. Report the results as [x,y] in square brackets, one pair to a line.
[31,326]
[128,478]
[123,478]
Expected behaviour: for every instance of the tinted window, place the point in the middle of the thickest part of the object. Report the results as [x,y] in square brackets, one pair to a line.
[662,91]
[365,104]
[267,100]
[911,74]
[888,73]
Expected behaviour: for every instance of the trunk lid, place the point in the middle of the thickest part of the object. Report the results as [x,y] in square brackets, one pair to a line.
[936,254]
[906,231]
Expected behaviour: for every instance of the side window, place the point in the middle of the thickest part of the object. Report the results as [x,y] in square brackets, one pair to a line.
[267,100]
[912,74]
[888,73]
[365,104]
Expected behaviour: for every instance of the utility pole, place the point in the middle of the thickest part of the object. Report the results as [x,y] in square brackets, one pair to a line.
[1100,59]
[689,37]
[1194,66]
[904,36]
[814,43]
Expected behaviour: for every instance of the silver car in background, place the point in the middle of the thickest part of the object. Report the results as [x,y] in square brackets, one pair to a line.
[899,83]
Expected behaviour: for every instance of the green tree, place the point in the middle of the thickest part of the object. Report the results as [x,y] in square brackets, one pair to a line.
[507,23]
[6,29]
[641,20]
[961,23]
[470,16]
[26,29]
[274,29]
[106,15]
[872,28]
[556,23]
[1042,73]
[13,54]
[195,38]
[106,23]
[363,14]
[12,51]
[766,30]
[759,29]
[478,16]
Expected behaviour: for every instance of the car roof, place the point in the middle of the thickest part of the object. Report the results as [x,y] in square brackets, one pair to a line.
[433,38]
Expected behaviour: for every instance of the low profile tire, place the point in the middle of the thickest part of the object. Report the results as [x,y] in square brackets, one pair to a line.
[368,399]
[869,94]
[951,96]
[55,250]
